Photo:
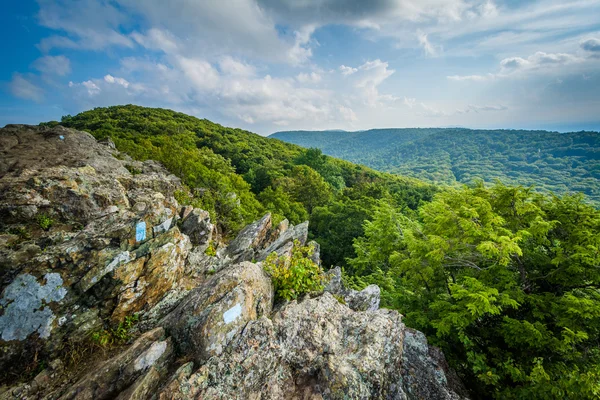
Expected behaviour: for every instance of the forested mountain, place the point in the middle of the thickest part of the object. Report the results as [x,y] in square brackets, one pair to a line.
[550,161]
[504,279]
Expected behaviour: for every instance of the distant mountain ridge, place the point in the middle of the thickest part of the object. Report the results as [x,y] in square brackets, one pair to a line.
[551,161]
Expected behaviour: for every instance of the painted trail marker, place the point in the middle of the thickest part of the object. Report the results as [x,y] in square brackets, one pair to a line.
[140,231]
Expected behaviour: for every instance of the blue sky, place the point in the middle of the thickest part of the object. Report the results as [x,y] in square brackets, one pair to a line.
[268,65]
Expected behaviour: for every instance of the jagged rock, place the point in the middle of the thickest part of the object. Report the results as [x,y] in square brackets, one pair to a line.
[177,387]
[283,244]
[425,374]
[138,365]
[243,247]
[316,252]
[110,248]
[210,317]
[364,300]
[198,227]
[317,348]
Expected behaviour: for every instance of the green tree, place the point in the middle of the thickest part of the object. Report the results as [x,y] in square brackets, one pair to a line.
[505,280]
[306,186]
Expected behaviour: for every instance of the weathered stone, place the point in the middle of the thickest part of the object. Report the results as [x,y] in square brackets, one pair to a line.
[25,303]
[281,245]
[364,300]
[185,212]
[424,377]
[317,348]
[316,252]
[208,319]
[149,279]
[244,246]
[115,375]
[93,204]
[198,227]
[178,388]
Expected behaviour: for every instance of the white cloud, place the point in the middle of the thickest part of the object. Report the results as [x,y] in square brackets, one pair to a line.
[477,109]
[91,87]
[301,51]
[347,70]
[22,88]
[409,102]
[229,66]
[117,81]
[200,73]
[90,24]
[348,114]
[475,78]
[368,77]
[157,39]
[211,29]
[539,62]
[53,65]
[430,49]
[592,45]
[234,89]
[313,77]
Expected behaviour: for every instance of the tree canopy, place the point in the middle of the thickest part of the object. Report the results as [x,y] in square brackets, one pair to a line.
[505,280]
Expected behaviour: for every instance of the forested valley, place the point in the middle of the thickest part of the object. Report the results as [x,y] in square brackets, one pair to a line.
[548,161]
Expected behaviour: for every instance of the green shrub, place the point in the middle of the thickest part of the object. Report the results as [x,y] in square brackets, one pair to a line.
[119,335]
[21,232]
[295,276]
[211,250]
[133,170]
[340,298]
[44,221]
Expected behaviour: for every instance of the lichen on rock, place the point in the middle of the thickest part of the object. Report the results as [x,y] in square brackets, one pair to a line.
[25,303]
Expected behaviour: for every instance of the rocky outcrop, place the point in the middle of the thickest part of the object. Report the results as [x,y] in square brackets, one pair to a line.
[364,300]
[212,315]
[91,238]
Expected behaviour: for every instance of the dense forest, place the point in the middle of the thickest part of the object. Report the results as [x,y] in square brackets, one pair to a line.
[504,279]
[549,161]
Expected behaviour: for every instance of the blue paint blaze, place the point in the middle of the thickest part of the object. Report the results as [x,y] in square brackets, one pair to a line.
[61,137]
[140,231]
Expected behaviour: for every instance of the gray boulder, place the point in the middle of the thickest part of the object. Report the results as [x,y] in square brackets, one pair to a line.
[211,316]
[365,300]
[321,349]
[198,227]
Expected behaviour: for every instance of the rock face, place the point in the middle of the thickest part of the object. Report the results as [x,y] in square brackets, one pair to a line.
[91,238]
[364,300]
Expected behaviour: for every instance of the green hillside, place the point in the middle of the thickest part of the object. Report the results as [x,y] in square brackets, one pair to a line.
[550,161]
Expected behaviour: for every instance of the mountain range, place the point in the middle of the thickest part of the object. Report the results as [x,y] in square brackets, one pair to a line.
[550,161]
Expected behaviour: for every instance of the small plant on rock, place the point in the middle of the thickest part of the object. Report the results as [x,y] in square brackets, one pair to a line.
[44,221]
[211,250]
[133,170]
[294,276]
[119,335]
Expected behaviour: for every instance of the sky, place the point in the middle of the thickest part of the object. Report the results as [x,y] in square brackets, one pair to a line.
[272,65]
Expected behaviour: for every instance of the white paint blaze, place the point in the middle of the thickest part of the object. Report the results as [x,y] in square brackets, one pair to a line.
[232,314]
